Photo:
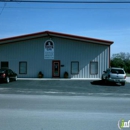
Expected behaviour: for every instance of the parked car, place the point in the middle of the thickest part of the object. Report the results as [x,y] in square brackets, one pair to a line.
[7,75]
[116,75]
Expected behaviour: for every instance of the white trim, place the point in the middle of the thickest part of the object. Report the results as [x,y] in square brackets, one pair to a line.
[58,79]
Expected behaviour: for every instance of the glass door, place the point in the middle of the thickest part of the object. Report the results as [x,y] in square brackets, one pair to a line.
[56,68]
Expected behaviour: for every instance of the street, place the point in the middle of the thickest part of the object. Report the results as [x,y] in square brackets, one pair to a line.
[47,112]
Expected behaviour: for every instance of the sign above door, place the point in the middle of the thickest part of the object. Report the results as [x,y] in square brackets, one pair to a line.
[49,49]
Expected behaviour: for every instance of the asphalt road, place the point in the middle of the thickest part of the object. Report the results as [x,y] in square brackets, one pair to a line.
[64,87]
[45,112]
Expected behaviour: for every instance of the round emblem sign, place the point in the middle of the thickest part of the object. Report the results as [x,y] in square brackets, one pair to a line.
[49,49]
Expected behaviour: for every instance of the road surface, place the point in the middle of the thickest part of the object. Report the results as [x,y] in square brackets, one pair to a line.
[46,112]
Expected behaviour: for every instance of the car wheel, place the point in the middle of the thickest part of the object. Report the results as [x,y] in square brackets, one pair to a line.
[123,83]
[7,80]
[15,79]
[103,80]
[106,81]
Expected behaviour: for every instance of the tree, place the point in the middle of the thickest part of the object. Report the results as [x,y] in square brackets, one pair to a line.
[117,62]
[127,65]
[121,60]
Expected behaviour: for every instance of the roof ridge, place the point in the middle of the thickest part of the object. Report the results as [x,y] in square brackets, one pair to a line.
[82,38]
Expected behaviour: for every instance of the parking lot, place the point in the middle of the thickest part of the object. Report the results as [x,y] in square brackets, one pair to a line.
[64,87]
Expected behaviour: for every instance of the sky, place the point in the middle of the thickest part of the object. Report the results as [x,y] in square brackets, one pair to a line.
[103,21]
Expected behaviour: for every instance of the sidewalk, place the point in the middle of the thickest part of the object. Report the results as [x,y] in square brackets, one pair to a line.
[59,79]
[128,79]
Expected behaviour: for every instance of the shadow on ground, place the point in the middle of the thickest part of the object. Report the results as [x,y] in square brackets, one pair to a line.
[99,82]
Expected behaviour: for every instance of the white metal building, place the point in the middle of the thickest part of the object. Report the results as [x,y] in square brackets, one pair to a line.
[53,54]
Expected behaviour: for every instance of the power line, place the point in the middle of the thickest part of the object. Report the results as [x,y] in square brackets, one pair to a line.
[65,2]
[3,8]
[71,8]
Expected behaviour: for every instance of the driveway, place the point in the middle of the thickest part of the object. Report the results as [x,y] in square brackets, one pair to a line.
[64,87]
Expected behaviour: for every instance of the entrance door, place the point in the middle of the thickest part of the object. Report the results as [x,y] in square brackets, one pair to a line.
[56,68]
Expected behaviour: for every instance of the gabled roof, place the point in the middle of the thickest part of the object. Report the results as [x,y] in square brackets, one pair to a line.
[56,34]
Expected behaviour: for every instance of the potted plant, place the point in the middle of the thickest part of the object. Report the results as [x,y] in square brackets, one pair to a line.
[40,75]
[66,74]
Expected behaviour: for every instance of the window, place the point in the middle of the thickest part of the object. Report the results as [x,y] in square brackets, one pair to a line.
[22,67]
[117,71]
[4,65]
[93,67]
[74,67]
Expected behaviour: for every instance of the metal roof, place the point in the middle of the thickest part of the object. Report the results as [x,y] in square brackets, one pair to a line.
[56,34]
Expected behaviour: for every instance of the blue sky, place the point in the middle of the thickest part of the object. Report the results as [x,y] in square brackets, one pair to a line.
[103,21]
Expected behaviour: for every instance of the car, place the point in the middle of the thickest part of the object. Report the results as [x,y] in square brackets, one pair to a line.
[116,75]
[7,75]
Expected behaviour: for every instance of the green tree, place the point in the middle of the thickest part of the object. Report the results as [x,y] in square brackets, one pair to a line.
[127,65]
[121,60]
[117,62]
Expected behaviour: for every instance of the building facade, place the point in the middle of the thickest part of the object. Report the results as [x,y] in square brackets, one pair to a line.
[54,54]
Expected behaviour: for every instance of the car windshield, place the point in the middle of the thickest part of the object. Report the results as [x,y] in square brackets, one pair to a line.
[117,71]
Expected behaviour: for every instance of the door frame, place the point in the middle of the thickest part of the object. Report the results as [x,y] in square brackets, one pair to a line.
[57,61]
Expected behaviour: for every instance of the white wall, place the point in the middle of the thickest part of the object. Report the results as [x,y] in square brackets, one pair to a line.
[65,50]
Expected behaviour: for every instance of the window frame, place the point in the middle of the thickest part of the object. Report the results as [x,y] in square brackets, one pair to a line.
[4,62]
[25,68]
[91,67]
[78,67]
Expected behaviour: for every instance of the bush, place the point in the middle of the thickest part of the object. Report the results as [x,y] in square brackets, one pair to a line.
[40,75]
[66,75]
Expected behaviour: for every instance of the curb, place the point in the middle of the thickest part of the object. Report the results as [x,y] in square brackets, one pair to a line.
[58,78]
